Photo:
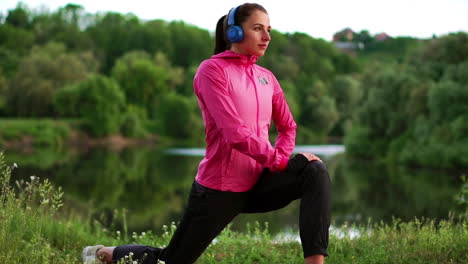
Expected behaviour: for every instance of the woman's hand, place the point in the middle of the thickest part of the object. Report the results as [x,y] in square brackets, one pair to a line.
[310,157]
[300,161]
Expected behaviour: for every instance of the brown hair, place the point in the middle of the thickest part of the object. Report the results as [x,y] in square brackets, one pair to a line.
[242,13]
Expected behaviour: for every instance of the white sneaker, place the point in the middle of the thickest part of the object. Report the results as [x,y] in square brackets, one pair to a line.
[89,255]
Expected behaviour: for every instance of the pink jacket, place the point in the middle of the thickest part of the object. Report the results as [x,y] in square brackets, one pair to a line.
[238,99]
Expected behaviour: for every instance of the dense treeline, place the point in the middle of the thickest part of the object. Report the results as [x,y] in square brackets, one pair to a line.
[401,99]
[415,112]
[119,74]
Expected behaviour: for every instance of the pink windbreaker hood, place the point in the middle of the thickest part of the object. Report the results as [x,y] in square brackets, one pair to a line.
[238,99]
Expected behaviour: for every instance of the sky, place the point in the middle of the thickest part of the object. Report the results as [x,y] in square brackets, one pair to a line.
[319,19]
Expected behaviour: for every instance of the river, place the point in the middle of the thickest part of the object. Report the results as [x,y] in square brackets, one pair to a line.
[150,186]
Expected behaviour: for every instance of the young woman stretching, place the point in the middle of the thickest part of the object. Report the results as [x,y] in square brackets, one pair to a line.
[241,172]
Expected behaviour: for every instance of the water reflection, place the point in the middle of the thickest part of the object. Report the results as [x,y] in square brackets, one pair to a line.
[153,185]
[323,150]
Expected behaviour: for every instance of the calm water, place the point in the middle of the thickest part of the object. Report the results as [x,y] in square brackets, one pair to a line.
[152,186]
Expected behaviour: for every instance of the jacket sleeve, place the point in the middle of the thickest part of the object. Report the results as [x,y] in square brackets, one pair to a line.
[284,122]
[210,84]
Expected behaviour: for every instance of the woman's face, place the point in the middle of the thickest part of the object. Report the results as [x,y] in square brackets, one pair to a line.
[256,35]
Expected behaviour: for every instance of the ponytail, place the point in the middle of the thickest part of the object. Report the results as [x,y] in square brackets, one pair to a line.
[220,42]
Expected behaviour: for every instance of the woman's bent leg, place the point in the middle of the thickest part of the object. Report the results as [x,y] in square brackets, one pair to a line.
[314,219]
[275,190]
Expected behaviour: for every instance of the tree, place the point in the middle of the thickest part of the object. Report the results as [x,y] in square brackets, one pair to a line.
[319,111]
[191,44]
[3,88]
[363,37]
[16,40]
[447,101]
[62,26]
[18,17]
[177,117]
[113,35]
[142,81]
[133,122]
[414,112]
[102,104]
[346,92]
[46,70]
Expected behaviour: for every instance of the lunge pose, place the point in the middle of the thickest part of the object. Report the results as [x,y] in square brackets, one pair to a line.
[241,172]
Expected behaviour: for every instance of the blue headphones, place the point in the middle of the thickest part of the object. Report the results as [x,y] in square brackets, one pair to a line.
[234,33]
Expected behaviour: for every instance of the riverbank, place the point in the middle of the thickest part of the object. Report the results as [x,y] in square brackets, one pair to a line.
[25,135]
[32,220]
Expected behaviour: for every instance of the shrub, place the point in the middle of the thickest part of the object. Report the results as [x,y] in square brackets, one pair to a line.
[102,104]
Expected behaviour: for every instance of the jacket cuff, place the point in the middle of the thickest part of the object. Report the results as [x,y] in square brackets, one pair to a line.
[283,164]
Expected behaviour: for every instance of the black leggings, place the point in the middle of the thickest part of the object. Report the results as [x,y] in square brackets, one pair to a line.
[209,211]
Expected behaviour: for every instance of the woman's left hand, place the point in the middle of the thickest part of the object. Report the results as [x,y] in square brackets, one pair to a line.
[311,157]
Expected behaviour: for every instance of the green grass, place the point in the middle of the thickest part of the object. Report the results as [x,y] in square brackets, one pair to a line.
[33,230]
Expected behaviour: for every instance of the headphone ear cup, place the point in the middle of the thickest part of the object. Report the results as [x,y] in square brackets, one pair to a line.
[234,34]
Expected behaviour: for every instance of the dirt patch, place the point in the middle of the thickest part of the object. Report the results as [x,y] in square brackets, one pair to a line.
[115,142]
[24,143]
[83,142]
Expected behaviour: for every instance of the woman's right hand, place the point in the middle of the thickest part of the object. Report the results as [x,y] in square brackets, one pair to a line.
[311,157]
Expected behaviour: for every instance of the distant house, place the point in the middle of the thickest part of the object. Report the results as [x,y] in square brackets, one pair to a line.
[343,41]
[382,37]
[346,35]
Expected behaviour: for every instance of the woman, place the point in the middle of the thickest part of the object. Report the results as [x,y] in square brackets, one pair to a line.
[242,172]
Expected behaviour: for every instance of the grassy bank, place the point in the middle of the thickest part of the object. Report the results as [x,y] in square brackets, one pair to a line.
[33,230]
[28,133]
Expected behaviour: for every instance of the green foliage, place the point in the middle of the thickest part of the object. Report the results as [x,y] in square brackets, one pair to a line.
[346,92]
[98,100]
[389,51]
[46,70]
[414,113]
[149,60]
[18,17]
[141,80]
[357,143]
[3,88]
[413,242]
[447,101]
[14,43]
[41,132]
[191,45]
[319,111]
[32,221]
[101,104]
[177,117]
[133,122]
[16,40]
[66,101]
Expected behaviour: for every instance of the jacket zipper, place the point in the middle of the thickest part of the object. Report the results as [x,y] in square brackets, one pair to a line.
[251,75]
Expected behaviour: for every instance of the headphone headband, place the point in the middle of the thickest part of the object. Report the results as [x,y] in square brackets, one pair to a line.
[232,16]
[234,33]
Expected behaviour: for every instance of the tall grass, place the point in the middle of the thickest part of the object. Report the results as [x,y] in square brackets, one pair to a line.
[32,230]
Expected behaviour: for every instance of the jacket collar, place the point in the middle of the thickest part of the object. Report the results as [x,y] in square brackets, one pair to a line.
[243,59]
